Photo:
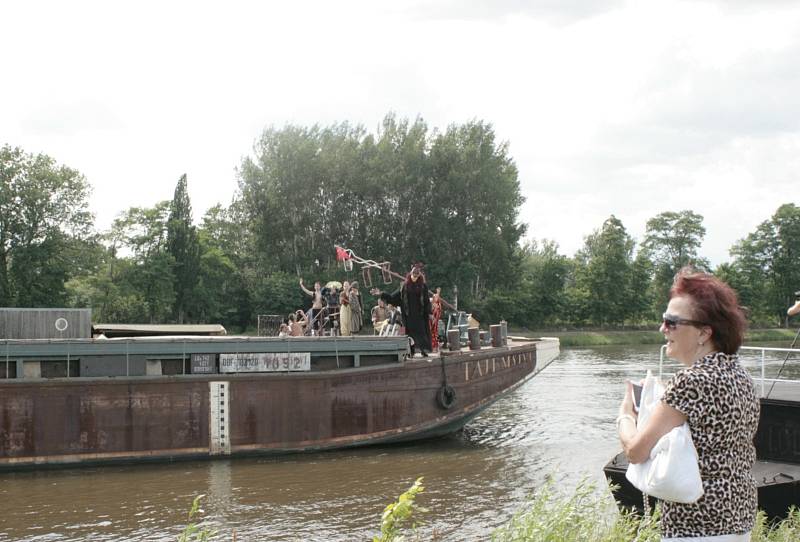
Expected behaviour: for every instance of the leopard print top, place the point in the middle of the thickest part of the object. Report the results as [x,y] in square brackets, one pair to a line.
[718,397]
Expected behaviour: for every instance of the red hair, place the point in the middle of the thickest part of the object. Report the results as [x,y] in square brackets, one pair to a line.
[715,304]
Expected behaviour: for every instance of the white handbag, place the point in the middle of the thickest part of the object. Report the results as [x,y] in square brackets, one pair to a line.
[672,472]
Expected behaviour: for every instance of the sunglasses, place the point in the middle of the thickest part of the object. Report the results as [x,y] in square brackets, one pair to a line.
[671,321]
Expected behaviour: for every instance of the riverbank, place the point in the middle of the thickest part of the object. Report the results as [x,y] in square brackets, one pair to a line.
[577,339]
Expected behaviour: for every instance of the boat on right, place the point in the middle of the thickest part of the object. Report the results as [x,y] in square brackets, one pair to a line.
[777,467]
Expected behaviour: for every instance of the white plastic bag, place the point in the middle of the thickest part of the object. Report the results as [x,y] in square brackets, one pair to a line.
[672,472]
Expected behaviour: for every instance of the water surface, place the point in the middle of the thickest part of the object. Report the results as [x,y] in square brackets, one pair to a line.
[559,425]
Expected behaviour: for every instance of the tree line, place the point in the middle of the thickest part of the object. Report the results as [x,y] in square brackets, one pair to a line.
[406,193]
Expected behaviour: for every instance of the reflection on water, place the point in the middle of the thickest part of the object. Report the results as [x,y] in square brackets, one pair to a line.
[558,425]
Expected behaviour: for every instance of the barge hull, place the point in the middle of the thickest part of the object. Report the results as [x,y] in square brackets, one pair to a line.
[73,421]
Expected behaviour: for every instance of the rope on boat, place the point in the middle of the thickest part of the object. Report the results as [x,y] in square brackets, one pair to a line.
[796,335]
[336,347]
[446,396]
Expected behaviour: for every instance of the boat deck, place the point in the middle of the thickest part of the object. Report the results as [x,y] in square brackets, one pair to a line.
[779,390]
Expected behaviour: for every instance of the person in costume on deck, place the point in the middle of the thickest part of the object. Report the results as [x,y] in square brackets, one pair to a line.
[345,313]
[316,304]
[380,316]
[437,307]
[356,317]
[414,301]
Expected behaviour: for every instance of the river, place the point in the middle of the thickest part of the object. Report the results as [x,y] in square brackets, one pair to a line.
[559,425]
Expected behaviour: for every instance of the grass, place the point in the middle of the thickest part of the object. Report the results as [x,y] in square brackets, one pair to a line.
[583,514]
[586,516]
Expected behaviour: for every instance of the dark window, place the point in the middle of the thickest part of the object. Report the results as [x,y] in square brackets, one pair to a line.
[58,369]
[175,366]
[10,370]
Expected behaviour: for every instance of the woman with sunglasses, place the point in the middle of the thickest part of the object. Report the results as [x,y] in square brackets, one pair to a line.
[704,328]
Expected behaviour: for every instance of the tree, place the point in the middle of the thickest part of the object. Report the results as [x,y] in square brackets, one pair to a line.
[474,205]
[766,264]
[603,274]
[543,278]
[147,276]
[672,240]
[184,248]
[227,267]
[451,200]
[44,223]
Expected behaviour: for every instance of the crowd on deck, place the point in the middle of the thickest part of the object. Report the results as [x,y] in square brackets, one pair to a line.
[337,309]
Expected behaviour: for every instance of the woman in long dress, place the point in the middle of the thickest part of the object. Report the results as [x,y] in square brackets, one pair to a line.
[345,314]
[437,308]
[356,318]
[414,300]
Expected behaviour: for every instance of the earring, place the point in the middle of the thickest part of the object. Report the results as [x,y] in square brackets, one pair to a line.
[701,343]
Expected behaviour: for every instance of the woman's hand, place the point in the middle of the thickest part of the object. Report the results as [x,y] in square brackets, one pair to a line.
[626,407]
[375,291]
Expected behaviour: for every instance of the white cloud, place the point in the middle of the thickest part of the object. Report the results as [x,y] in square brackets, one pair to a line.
[625,108]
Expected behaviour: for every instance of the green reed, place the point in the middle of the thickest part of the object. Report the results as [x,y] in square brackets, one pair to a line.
[582,514]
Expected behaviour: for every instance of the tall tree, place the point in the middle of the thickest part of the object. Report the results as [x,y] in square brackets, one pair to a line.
[603,273]
[474,202]
[44,221]
[672,240]
[184,248]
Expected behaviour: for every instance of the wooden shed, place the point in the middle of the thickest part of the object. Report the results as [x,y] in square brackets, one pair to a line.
[18,323]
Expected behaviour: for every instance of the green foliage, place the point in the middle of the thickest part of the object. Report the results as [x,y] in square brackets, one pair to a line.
[45,226]
[183,247]
[399,514]
[672,240]
[766,265]
[192,531]
[604,275]
[786,530]
[450,200]
[279,293]
[583,516]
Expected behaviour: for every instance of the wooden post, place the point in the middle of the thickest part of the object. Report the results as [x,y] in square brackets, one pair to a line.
[454,340]
[497,335]
[474,334]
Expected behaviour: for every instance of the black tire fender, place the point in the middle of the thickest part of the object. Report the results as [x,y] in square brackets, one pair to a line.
[446,396]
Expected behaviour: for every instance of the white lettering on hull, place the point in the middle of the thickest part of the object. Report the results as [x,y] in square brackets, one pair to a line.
[489,366]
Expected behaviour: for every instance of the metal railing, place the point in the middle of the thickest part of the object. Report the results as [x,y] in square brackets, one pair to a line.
[763,363]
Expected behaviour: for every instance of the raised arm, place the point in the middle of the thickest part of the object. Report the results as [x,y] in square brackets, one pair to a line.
[306,290]
[393,298]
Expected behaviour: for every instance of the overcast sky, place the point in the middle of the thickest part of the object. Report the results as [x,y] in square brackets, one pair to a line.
[609,107]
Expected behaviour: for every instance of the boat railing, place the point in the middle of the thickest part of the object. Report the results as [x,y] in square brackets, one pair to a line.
[762,352]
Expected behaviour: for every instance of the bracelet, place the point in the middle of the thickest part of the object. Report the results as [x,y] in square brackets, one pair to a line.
[625,417]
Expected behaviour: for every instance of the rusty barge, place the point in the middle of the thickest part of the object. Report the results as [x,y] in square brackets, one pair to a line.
[77,401]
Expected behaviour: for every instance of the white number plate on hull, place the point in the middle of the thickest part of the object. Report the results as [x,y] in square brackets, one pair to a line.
[264,362]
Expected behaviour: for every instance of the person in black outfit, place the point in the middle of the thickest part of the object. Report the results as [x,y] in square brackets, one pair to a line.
[414,301]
